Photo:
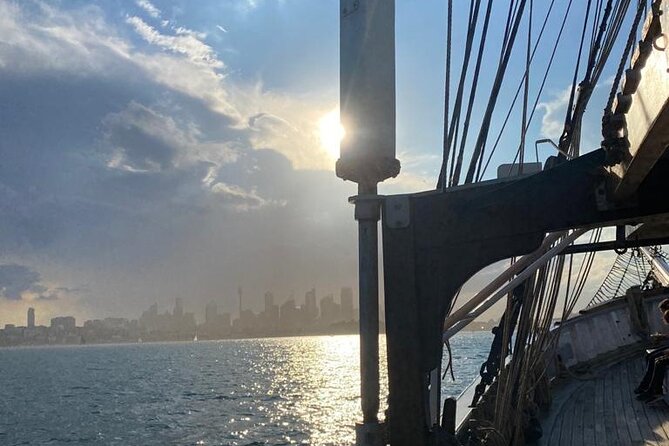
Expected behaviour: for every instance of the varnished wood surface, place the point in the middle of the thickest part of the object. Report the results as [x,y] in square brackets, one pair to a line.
[603,411]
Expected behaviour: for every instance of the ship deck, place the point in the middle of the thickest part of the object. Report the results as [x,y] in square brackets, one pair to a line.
[602,410]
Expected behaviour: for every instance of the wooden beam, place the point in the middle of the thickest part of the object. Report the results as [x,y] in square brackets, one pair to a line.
[644,104]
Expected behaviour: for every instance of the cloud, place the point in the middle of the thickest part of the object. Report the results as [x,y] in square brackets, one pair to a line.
[16,280]
[141,139]
[186,42]
[82,44]
[150,9]
[241,199]
[139,167]
[552,122]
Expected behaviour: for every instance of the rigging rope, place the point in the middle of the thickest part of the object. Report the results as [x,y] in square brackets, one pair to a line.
[470,106]
[480,172]
[473,16]
[623,60]
[526,92]
[618,281]
[447,87]
[497,84]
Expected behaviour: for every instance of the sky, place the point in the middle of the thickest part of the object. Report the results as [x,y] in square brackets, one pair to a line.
[161,149]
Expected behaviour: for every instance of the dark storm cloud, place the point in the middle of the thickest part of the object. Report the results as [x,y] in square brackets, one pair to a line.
[17,279]
[131,171]
[140,136]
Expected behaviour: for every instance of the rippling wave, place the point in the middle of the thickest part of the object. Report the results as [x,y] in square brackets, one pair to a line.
[302,390]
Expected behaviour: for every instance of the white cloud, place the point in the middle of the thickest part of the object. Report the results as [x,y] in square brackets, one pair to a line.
[186,42]
[150,9]
[180,30]
[82,43]
[552,122]
[241,199]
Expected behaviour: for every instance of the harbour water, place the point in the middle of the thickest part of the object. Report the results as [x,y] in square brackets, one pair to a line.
[301,390]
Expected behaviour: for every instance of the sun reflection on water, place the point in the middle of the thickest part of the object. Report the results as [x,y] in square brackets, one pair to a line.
[319,376]
[301,390]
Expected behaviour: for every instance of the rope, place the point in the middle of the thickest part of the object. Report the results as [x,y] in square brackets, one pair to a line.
[618,280]
[455,176]
[497,84]
[473,16]
[523,131]
[564,142]
[623,60]
[447,86]
[480,172]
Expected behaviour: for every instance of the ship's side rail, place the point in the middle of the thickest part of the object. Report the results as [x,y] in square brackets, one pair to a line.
[594,368]
[605,331]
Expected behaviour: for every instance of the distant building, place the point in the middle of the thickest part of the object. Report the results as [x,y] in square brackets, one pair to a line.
[310,307]
[178,307]
[330,311]
[270,316]
[289,316]
[269,300]
[66,323]
[247,322]
[176,326]
[239,293]
[211,313]
[31,318]
[346,300]
[215,325]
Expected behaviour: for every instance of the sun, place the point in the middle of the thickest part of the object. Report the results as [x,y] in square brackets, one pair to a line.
[331,133]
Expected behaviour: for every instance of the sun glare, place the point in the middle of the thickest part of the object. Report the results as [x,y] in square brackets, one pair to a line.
[331,133]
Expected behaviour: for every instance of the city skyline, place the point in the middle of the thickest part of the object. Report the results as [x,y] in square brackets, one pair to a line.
[228,303]
[314,315]
[216,175]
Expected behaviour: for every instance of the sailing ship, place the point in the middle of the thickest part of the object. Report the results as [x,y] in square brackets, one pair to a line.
[549,378]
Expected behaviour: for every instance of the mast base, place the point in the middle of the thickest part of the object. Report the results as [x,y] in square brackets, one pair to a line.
[370,434]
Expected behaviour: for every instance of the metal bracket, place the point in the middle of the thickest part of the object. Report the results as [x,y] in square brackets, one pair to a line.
[397,211]
[367,207]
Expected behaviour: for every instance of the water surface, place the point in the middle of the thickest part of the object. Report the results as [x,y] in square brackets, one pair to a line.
[302,390]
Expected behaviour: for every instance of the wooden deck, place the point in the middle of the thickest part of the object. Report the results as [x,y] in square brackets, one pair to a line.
[603,410]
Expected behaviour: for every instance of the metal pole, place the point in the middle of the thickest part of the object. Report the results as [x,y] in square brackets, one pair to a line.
[367,213]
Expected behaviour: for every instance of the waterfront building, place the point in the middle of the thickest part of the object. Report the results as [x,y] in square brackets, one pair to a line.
[178,308]
[31,318]
[310,307]
[215,325]
[65,323]
[289,317]
[330,311]
[346,301]
[269,318]
[211,314]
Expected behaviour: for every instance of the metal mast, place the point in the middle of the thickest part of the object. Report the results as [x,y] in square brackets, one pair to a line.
[367,103]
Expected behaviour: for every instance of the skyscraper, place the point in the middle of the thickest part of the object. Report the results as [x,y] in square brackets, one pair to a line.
[211,314]
[330,311]
[179,307]
[346,299]
[239,292]
[269,301]
[31,317]
[310,306]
